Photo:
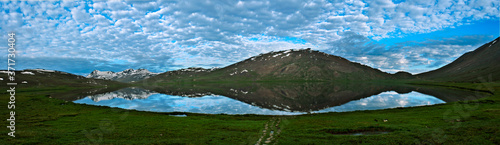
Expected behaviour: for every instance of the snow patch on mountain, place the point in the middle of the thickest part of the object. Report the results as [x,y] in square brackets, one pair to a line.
[128,75]
[492,43]
[43,70]
[27,73]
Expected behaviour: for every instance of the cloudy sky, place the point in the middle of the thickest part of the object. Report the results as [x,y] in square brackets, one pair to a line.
[80,36]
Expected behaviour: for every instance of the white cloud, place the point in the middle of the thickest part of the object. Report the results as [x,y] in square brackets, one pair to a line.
[142,32]
[117,5]
[80,15]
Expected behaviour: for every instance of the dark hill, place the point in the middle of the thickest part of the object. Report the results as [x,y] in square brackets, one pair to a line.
[480,64]
[403,75]
[299,65]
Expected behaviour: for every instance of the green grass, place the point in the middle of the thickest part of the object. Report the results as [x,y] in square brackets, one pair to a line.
[44,120]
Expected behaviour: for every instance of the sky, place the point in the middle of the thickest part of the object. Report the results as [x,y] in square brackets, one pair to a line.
[162,35]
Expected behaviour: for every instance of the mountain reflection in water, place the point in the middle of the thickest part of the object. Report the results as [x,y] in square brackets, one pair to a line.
[276,99]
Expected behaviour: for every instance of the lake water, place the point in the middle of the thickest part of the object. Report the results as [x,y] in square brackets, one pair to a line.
[275,100]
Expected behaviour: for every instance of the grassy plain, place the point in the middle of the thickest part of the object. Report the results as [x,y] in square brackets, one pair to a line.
[41,119]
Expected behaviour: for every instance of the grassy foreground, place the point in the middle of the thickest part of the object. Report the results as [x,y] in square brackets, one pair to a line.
[44,120]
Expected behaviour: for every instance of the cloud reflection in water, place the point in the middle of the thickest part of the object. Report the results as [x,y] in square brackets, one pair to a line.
[214,104]
[386,100]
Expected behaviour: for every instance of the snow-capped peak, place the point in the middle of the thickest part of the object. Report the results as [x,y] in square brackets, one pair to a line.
[101,74]
[127,75]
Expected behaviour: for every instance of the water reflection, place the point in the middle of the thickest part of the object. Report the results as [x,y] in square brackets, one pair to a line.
[387,100]
[131,93]
[275,99]
[168,103]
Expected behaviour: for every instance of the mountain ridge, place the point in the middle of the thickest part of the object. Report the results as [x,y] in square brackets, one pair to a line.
[479,65]
[53,78]
[128,75]
[285,65]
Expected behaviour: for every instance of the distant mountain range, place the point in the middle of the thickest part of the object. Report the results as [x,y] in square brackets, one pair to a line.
[482,64]
[52,78]
[128,75]
[479,65]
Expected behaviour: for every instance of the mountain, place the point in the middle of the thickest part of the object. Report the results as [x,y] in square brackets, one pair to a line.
[482,64]
[288,65]
[51,78]
[128,75]
[403,75]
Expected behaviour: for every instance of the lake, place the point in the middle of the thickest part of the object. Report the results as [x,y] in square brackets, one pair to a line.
[275,99]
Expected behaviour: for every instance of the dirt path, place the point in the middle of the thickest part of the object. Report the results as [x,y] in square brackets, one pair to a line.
[270,132]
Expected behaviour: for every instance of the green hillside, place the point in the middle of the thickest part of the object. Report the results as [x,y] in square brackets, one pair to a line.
[482,64]
[289,65]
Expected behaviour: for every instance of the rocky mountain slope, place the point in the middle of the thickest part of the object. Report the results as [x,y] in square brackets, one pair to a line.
[128,75]
[289,65]
[482,64]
